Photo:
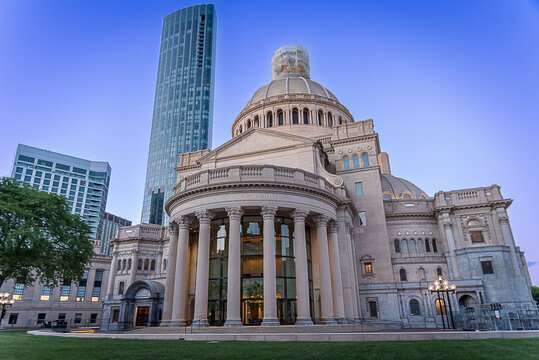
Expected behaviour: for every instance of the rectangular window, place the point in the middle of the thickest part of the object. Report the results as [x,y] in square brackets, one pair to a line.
[121,288]
[81,292]
[79,170]
[45,293]
[61,316]
[373,308]
[29,171]
[62,167]
[368,268]
[41,318]
[13,318]
[477,237]
[26,158]
[362,218]
[359,188]
[93,318]
[18,170]
[18,291]
[64,292]
[96,292]
[115,315]
[44,163]
[56,177]
[78,318]
[487,267]
[47,176]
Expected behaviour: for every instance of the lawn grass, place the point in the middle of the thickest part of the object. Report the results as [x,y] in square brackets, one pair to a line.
[19,345]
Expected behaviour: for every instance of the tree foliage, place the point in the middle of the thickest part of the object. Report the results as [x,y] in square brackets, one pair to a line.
[39,238]
[535,293]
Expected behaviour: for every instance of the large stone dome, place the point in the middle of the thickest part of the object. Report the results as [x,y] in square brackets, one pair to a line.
[291,84]
[397,188]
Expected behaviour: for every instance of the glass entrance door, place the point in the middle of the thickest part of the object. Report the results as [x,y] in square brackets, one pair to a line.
[142,316]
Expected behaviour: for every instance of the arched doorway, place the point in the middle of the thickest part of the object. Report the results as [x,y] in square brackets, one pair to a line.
[467,301]
[142,304]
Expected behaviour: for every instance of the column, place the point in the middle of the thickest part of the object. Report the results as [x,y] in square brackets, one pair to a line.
[346,267]
[270,283]
[350,239]
[159,265]
[451,245]
[233,292]
[203,268]
[134,269]
[326,298]
[112,273]
[302,271]
[179,302]
[171,273]
[336,278]
[508,237]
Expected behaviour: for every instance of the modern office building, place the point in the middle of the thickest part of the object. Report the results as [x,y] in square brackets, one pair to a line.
[111,224]
[84,183]
[183,107]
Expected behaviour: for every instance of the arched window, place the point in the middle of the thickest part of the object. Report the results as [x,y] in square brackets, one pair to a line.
[397,245]
[346,163]
[340,120]
[434,247]
[474,223]
[320,117]
[129,264]
[139,265]
[440,307]
[387,197]
[257,121]
[406,196]
[124,263]
[421,275]
[280,117]
[412,246]
[439,272]
[365,159]
[404,244]
[295,116]
[355,161]
[330,120]
[146,264]
[414,307]
[427,245]
[270,120]
[402,274]
[249,124]
[119,267]
[165,265]
[305,116]
[241,129]
[152,265]
[420,246]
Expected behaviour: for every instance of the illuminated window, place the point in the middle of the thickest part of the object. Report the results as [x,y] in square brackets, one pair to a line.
[96,292]
[18,291]
[64,292]
[81,291]
[368,268]
[406,196]
[440,307]
[45,293]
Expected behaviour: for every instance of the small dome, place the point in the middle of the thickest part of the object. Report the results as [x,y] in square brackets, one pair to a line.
[397,188]
[291,84]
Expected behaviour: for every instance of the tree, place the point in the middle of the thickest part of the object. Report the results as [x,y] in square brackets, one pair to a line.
[39,238]
[535,293]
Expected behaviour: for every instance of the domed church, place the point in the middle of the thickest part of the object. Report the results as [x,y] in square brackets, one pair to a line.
[298,220]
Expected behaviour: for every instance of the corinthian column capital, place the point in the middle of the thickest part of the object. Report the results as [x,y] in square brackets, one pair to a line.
[268,212]
[332,227]
[173,228]
[300,214]
[204,216]
[234,212]
[321,220]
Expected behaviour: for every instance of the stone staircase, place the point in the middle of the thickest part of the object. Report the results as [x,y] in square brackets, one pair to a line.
[348,328]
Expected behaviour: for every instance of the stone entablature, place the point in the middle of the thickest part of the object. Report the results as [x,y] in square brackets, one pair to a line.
[146,231]
[471,197]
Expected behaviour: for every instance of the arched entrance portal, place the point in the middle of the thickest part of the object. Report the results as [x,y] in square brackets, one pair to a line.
[142,304]
[467,301]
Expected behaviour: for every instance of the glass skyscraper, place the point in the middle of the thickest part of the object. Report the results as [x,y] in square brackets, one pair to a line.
[84,183]
[111,224]
[183,106]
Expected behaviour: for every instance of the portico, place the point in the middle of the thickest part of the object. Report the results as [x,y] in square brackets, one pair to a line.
[261,249]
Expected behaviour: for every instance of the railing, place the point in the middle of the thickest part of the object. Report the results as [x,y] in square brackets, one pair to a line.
[255,173]
[464,195]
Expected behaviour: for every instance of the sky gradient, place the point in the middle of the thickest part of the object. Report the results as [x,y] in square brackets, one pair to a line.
[453,86]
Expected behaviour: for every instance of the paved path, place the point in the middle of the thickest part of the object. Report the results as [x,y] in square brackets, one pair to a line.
[299,336]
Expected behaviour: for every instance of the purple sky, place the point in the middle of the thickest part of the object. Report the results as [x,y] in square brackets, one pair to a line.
[453,87]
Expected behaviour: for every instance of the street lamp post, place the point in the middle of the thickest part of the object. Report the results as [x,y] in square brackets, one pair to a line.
[5,303]
[443,286]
